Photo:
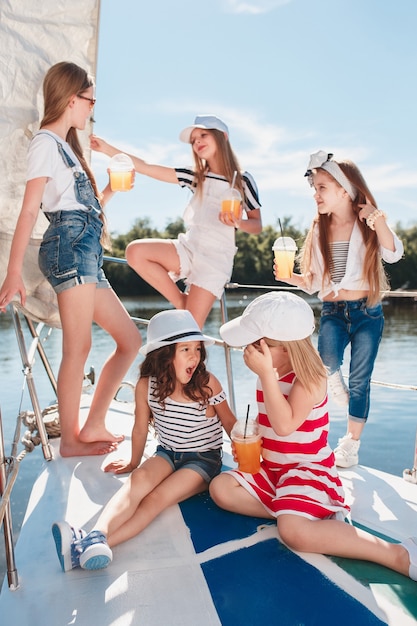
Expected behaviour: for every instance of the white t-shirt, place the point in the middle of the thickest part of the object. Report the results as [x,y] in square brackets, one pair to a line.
[44,159]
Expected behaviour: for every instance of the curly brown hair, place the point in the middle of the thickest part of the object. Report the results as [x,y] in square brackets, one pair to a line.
[160,365]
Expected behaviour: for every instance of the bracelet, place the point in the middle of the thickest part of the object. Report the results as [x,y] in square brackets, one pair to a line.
[372,217]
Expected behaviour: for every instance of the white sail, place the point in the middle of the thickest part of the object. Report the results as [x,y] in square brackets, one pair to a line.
[34,36]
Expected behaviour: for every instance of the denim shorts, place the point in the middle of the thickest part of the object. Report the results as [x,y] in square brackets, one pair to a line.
[71,253]
[207,464]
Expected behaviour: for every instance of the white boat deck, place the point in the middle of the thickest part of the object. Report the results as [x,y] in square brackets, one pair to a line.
[175,572]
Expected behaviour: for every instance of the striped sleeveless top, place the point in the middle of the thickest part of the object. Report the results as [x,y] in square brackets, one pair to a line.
[298,475]
[308,443]
[183,426]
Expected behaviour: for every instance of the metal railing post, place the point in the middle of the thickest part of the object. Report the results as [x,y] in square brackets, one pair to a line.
[27,372]
[12,576]
[228,356]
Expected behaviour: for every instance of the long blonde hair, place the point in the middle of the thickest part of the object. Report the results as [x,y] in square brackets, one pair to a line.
[373,270]
[227,160]
[61,82]
[305,361]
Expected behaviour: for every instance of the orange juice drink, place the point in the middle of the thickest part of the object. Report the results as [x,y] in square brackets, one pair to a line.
[285,262]
[121,170]
[248,452]
[284,250]
[232,206]
[120,181]
[247,442]
[231,203]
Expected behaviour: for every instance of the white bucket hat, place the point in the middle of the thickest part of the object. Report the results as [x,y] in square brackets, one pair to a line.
[173,326]
[210,122]
[278,315]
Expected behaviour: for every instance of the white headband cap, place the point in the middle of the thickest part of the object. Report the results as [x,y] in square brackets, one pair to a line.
[324,161]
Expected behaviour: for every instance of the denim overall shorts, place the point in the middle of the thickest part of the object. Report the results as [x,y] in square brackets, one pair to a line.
[71,253]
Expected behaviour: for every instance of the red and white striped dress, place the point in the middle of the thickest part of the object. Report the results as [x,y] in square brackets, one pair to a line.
[298,473]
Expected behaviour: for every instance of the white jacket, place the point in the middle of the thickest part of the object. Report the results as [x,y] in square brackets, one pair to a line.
[352,279]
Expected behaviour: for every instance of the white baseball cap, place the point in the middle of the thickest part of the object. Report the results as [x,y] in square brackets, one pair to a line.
[210,122]
[172,326]
[278,315]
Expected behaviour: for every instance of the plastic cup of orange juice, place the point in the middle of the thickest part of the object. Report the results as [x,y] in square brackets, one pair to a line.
[284,250]
[232,203]
[247,446]
[121,172]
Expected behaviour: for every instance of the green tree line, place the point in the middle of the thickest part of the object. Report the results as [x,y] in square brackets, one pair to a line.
[254,258]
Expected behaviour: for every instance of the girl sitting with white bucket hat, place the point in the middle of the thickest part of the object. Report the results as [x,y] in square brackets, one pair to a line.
[188,408]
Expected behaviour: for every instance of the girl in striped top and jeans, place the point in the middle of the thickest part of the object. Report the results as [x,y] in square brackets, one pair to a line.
[188,408]
[298,484]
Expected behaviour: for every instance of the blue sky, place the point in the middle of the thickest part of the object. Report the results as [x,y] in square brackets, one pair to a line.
[289,77]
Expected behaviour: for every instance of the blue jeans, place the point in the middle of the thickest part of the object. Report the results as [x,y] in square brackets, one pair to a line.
[71,253]
[207,464]
[352,322]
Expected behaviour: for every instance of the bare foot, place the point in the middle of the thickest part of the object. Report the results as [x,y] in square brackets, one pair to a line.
[93,435]
[80,448]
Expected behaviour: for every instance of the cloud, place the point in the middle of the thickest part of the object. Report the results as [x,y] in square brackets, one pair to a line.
[254,7]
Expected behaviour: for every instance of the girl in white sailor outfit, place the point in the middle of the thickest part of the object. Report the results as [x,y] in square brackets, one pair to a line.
[203,256]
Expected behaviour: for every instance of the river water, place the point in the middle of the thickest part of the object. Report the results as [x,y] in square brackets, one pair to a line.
[388,440]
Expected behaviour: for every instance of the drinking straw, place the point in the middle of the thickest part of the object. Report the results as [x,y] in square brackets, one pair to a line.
[283,238]
[282,232]
[233,179]
[246,422]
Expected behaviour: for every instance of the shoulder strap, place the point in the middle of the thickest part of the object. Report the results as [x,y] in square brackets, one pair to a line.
[65,156]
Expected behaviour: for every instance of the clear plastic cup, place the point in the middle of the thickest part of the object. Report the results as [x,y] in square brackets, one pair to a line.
[121,172]
[284,250]
[247,448]
[232,203]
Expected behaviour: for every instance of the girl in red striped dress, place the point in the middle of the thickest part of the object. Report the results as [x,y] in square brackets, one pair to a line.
[298,483]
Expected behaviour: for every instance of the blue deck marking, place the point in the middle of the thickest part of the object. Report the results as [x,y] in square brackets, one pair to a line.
[269,584]
[265,583]
[211,525]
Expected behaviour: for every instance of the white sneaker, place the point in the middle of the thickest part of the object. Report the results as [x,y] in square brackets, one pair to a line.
[346,451]
[338,389]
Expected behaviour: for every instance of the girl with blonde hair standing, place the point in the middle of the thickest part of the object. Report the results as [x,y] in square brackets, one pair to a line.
[342,261]
[61,184]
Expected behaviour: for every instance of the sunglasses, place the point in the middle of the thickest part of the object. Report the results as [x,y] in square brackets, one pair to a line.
[92,101]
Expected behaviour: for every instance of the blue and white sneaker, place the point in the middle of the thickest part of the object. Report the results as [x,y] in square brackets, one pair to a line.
[65,537]
[94,550]
[76,548]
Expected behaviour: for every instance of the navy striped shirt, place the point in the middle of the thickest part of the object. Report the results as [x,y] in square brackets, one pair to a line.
[183,426]
[251,199]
